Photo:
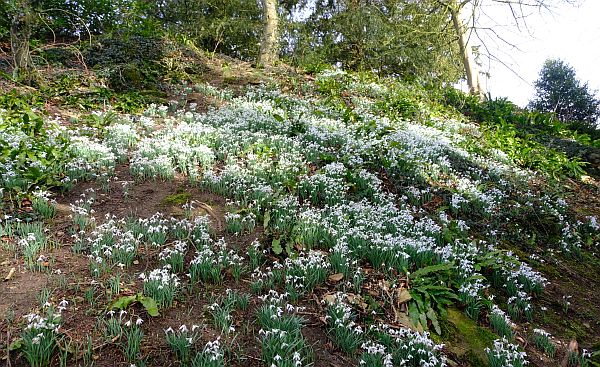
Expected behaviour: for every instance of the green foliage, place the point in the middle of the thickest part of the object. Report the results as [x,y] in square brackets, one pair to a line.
[232,27]
[431,295]
[542,342]
[74,90]
[346,334]
[123,48]
[148,303]
[395,37]
[527,152]
[31,152]
[559,91]
[517,132]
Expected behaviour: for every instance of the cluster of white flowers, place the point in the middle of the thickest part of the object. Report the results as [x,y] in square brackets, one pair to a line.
[497,312]
[155,229]
[213,350]
[240,223]
[184,332]
[410,346]
[375,354]
[505,353]
[162,276]
[91,157]
[111,242]
[121,137]
[44,325]
[541,332]
[307,270]
[322,188]
[161,284]
[277,302]
[593,223]
[340,314]
[174,255]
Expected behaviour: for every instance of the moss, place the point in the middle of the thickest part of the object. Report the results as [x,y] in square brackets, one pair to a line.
[474,360]
[569,327]
[178,198]
[467,340]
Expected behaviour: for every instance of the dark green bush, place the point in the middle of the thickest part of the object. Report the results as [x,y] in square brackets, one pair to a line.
[122,48]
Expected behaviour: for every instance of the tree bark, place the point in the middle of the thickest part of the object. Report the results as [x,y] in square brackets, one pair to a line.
[469,64]
[269,47]
[20,34]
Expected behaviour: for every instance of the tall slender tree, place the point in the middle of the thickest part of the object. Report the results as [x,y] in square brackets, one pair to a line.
[462,37]
[464,15]
[269,47]
[21,26]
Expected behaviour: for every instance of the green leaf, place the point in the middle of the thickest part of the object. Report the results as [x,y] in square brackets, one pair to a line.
[430,269]
[149,304]
[413,313]
[15,345]
[423,320]
[123,302]
[434,321]
[418,299]
[276,246]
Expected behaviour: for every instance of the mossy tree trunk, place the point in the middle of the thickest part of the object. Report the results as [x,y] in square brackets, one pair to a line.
[269,47]
[20,33]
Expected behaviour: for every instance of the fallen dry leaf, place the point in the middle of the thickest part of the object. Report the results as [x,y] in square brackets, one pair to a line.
[329,299]
[403,295]
[336,277]
[403,319]
[357,300]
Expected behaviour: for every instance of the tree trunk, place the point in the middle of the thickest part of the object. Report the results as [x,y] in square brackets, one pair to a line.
[20,33]
[269,47]
[467,56]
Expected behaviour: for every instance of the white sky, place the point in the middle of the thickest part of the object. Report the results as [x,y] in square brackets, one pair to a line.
[571,33]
